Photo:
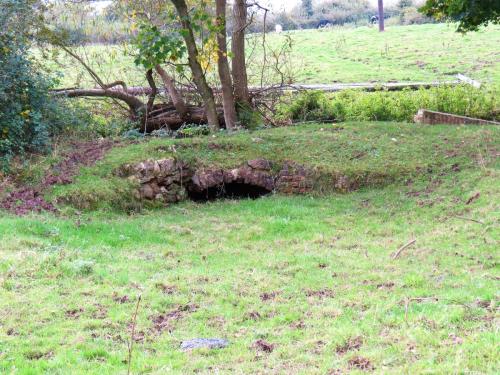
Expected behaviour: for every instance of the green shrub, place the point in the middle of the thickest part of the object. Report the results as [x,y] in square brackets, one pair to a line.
[101,126]
[309,106]
[248,117]
[352,105]
[28,117]
[192,130]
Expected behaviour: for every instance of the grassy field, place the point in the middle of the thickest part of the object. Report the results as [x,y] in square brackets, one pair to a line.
[402,53]
[298,285]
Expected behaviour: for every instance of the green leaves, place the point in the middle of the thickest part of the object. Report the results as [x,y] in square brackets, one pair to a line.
[470,14]
[156,46]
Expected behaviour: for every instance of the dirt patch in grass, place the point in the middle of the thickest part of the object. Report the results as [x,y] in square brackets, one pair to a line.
[268,296]
[360,363]
[100,312]
[74,313]
[121,299]
[164,322]
[23,200]
[298,324]
[35,355]
[167,289]
[12,332]
[352,344]
[388,285]
[254,315]
[321,293]
[220,146]
[263,346]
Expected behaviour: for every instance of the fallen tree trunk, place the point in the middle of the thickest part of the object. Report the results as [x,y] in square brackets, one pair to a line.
[168,117]
[159,116]
[366,86]
[135,104]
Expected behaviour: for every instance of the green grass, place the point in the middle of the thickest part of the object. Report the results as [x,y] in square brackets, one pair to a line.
[306,274]
[61,278]
[402,53]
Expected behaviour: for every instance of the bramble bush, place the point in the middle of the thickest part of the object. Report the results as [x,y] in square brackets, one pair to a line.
[352,105]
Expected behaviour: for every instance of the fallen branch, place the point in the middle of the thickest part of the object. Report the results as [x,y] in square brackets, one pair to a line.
[402,248]
[134,103]
[470,219]
[364,86]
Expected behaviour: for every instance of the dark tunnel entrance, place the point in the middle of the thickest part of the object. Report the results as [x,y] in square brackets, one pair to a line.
[229,191]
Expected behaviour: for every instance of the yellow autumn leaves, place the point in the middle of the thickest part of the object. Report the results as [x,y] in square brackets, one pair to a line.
[208,56]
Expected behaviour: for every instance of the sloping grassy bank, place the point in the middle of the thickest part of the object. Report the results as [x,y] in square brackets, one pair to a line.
[373,154]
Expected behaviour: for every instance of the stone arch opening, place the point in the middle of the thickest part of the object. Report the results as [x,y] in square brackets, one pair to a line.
[233,190]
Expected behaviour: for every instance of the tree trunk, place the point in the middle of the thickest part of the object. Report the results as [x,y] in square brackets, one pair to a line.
[168,116]
[177,99]
[223,66]
[381,26]
[151,99]
[198,74]
[240,78]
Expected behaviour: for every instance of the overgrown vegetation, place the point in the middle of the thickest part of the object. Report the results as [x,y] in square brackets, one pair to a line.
[390,105]
[28,117]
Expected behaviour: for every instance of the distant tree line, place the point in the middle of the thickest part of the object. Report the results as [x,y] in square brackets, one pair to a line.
[85,26]
[311,14]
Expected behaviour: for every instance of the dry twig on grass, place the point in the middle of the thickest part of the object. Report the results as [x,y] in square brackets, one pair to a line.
[470,219]
[402,248]
[132,335]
